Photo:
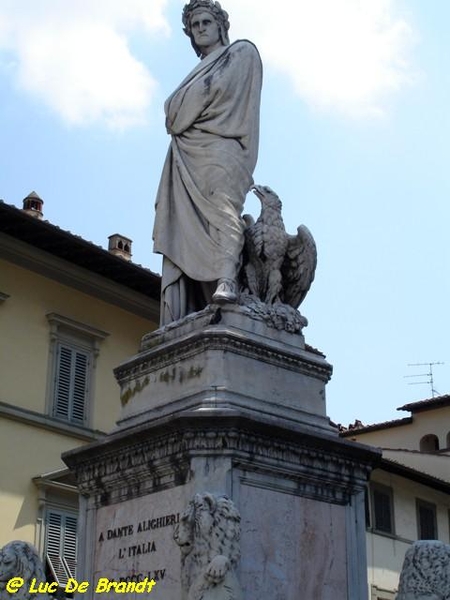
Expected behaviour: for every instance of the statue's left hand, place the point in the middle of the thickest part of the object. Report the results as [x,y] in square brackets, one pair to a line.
[217,568]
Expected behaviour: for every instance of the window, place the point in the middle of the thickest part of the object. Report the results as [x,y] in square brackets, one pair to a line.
[429,443]
[61,545]
[74,348]
[426,520]
[71,383]
[382,508]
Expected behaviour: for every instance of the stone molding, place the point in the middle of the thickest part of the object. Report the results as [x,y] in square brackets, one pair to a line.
[223,339]
[222,358]
[35,419]
[158,457]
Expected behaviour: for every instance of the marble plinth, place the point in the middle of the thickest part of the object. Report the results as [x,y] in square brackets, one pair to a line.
[223,404]
[223,359]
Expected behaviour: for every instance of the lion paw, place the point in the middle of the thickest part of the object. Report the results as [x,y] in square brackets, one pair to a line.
[217,568]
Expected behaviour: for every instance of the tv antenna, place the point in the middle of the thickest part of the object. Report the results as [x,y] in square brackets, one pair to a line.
[429,375]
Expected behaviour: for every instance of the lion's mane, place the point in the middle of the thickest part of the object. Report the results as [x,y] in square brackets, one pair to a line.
[208,535]
[20,559]
[426,572]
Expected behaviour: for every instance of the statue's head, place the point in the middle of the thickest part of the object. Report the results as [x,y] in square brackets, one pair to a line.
[194,9]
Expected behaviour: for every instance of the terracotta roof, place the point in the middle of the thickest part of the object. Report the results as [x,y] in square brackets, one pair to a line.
[74,249]
[436,402]
[352,430]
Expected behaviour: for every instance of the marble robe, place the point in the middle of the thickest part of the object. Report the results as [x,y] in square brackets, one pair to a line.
[213,118]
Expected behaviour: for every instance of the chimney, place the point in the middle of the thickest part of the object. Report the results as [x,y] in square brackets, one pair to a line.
[119,245]
[32,205]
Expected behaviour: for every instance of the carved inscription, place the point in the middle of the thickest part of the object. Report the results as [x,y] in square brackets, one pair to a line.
[134,542]
[136,549]
[128,544]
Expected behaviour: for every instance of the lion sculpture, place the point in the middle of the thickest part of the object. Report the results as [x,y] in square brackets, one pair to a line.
[20,559]
[208,535]
[426,572]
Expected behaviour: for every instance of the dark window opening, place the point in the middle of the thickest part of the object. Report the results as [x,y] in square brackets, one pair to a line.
[426,520]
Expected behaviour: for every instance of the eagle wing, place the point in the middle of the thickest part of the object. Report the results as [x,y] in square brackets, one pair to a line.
[252,249]
[299,266]
[254,234]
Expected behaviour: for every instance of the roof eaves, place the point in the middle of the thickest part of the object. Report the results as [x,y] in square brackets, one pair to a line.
[76,250]
[427,404]
[397,468]
[376,427]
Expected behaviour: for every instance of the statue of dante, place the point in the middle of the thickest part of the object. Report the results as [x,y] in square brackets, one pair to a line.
[213,119]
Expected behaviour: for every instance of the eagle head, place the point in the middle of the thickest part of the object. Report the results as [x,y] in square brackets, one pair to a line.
[267,196]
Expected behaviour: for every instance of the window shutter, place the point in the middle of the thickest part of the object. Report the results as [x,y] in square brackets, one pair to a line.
[54,536]
[80,380]
[70,545]
[71,383]
[62,383]
[61,543]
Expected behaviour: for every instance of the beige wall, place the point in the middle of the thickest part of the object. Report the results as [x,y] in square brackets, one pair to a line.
[27,452]
[24,343]
[436,421]
[27,449]
[385,554]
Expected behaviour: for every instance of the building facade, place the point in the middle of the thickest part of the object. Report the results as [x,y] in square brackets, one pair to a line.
[70,312]
[409,494]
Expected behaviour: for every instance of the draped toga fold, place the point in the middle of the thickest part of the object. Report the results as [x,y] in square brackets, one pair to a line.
[213,118]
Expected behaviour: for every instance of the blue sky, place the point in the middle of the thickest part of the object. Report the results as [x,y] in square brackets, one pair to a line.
[354,139]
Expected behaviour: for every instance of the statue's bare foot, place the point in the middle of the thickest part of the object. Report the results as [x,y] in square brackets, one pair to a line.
[225,292]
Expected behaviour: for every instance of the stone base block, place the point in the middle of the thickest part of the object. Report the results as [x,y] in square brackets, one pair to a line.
[222,359]
[300,496]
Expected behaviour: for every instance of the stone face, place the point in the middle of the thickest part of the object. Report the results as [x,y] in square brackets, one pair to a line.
[426,572]
[20,559]
[225,359]
[208,534]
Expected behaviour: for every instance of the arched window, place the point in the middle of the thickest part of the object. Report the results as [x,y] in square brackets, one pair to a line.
[429,443]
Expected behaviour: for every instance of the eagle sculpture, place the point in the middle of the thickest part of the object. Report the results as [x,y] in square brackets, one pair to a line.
[277,267]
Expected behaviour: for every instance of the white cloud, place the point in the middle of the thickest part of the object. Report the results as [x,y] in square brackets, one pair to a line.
[340,55]
[345,56]
[74,56]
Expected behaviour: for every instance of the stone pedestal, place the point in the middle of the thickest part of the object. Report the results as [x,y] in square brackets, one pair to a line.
[225,404]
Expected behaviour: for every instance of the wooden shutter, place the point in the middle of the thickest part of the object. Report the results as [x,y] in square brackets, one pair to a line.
[61,545]
[71,383]
[70,545]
